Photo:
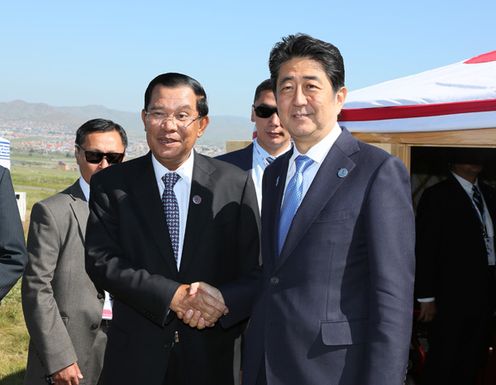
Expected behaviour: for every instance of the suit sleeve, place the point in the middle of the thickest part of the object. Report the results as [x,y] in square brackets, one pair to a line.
[109,267]
[13,254]
[240,295]
[389,221]
[43,320]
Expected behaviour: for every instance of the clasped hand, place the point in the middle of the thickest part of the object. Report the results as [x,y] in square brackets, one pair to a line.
[198,305]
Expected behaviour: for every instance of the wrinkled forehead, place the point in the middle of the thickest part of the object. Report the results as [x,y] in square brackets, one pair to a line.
[172,97]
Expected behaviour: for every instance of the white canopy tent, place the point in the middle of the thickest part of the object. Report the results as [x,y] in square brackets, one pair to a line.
[451,106]
[459,96]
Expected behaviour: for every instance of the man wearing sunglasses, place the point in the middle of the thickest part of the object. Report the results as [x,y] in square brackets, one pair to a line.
[272,139]
[66,315]
[158,223]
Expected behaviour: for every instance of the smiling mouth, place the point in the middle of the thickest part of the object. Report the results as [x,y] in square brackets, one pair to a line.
[300,116]
[166,141]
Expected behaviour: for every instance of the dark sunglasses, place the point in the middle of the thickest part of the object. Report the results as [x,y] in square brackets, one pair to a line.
[263,111]
[96,157]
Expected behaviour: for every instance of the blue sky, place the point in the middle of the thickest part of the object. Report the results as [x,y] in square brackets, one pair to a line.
[75,53]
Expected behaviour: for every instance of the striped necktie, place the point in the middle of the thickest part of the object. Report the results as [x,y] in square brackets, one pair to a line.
[292,198]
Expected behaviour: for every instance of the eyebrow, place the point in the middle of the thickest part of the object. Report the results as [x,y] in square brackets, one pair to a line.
[160,107]
[306,77]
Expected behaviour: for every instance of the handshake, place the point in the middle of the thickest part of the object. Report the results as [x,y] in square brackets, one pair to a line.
[198,305]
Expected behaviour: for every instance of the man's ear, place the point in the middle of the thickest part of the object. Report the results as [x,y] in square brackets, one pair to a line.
[143,118]
[204,121]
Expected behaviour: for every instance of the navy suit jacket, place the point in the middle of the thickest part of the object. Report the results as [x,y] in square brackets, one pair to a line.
[336,305]
[242,158]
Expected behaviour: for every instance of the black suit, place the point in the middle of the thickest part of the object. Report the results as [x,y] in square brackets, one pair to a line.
[242,158]
[13,255]
[452,267]
[129,254]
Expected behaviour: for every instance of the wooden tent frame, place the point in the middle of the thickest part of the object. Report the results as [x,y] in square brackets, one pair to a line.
[400,143]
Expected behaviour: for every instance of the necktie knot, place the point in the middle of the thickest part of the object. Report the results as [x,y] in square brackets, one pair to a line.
[269,160]
[170,179]
[302,162]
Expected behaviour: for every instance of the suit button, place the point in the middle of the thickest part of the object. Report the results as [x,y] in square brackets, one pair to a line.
[274,281]
[100,296]
[94,326]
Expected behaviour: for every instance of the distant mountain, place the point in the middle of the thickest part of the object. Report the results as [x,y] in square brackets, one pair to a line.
[223,128]
[67,119]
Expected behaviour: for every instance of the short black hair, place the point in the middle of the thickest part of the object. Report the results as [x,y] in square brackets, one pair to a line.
[304,46]
[173,80]
[266,85]
[99,125]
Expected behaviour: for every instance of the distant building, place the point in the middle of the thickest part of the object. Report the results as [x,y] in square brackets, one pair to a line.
[5,152]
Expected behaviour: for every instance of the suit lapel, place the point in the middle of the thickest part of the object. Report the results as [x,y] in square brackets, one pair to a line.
[79,207]
[200,209]
[321,191]
[273,196]
[248,158]
[146,197]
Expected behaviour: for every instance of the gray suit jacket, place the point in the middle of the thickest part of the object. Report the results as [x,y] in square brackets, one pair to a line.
[12,248]
[61,305]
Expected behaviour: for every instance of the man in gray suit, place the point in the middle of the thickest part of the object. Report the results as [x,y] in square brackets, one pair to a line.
[62,306]
[12,248]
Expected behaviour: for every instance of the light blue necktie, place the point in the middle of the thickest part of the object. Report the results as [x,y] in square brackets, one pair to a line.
[292,198]
[171,209]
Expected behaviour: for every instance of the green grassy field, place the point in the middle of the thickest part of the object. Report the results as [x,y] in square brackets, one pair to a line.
[39,176]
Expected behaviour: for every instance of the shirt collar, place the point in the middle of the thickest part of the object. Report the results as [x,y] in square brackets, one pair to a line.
[319,151]
[467,186]
[85,187]
[264,154]
[185,171]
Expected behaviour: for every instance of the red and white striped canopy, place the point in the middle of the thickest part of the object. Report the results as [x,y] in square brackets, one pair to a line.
[459,96]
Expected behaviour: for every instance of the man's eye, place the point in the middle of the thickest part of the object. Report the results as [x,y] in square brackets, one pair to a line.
[182,116]
[158,115]
[286,87]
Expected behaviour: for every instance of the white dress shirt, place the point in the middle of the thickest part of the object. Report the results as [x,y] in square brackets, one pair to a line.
[107,305]
[317,153]
[258,166]
[182,189]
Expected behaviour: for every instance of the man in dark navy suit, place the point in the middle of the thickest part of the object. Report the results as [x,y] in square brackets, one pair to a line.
[272,138]
[333,304]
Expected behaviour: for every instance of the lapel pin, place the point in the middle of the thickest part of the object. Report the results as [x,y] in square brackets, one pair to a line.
[342,172]
[197,199]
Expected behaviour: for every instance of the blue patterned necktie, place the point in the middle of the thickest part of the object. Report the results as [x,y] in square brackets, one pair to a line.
[269,160]
[171,209]
[292,198]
